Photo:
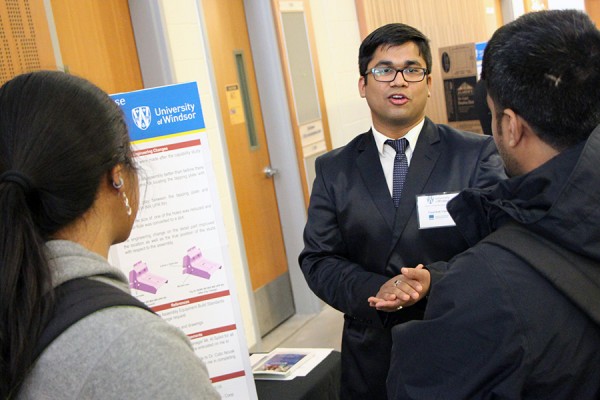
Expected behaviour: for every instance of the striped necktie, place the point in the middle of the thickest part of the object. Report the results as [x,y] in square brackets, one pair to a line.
[400,167]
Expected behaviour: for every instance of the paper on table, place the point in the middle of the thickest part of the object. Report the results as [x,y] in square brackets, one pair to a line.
[316,356]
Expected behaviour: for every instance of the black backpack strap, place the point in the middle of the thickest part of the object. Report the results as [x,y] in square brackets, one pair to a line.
[573,274]
[77,298]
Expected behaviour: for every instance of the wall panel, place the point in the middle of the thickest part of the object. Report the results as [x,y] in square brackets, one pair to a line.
[445,23]
[25,43]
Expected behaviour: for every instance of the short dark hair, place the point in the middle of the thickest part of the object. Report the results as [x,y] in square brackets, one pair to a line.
[60,137]
[545,66]
[391,35]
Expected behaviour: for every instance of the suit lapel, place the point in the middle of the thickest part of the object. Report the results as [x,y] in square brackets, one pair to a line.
[425,155]
[369,166]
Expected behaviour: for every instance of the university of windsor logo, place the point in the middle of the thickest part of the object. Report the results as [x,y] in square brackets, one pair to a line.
[142,117]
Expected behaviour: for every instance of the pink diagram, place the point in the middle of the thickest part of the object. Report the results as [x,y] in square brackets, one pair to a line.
[194,263]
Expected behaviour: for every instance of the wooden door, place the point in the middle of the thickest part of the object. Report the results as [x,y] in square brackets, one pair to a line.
[96,42]
[592,7]
[249,157]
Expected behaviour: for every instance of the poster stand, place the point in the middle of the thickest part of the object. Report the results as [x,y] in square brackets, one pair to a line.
[176,256]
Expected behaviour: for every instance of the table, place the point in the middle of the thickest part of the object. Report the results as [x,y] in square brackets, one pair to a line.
[322,383]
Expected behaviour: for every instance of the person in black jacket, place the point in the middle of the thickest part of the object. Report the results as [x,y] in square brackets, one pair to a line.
[357,236]
[517,316]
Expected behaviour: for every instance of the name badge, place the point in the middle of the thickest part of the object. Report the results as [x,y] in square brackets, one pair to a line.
[432,211]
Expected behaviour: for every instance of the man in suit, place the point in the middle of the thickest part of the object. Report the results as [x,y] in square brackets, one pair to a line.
[364,223]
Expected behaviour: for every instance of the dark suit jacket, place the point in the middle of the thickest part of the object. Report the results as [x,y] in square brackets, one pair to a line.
[355,240]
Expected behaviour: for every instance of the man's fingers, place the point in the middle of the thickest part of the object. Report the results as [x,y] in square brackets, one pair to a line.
[408,285]
[415,274]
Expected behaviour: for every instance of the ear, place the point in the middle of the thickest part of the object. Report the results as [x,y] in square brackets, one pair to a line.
[116,176]
[361,86]
[515,127]
[428,85]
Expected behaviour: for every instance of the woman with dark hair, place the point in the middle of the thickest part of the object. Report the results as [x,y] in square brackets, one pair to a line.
[68,191]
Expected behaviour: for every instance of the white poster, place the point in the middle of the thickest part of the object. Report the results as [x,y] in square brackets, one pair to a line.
[176,257]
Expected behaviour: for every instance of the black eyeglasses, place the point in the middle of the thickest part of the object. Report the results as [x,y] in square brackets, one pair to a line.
[388,74]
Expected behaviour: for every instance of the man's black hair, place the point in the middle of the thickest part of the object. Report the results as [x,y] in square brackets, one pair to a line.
[545,66]
[390,35]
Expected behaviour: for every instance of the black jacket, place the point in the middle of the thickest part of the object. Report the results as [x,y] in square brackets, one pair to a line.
[355,239]
[497,327]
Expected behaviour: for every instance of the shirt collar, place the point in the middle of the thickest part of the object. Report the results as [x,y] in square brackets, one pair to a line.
[412,136]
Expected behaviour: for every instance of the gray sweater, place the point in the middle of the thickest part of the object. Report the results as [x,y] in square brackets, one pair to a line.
[115,353]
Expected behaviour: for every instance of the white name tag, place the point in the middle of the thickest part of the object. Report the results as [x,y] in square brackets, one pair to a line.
[432,211]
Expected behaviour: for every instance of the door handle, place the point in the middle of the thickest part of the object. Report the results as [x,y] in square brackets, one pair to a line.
[270,171]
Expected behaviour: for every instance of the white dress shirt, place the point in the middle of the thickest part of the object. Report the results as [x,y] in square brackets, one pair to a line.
[387,152]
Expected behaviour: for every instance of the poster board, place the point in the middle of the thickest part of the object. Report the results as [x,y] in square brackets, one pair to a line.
[461,67]
[176,256]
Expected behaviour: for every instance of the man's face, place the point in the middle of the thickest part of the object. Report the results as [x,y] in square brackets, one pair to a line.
[511,165]
[396,106]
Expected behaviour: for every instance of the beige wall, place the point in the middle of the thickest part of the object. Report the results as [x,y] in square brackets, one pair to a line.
[338,39]
[189,57]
